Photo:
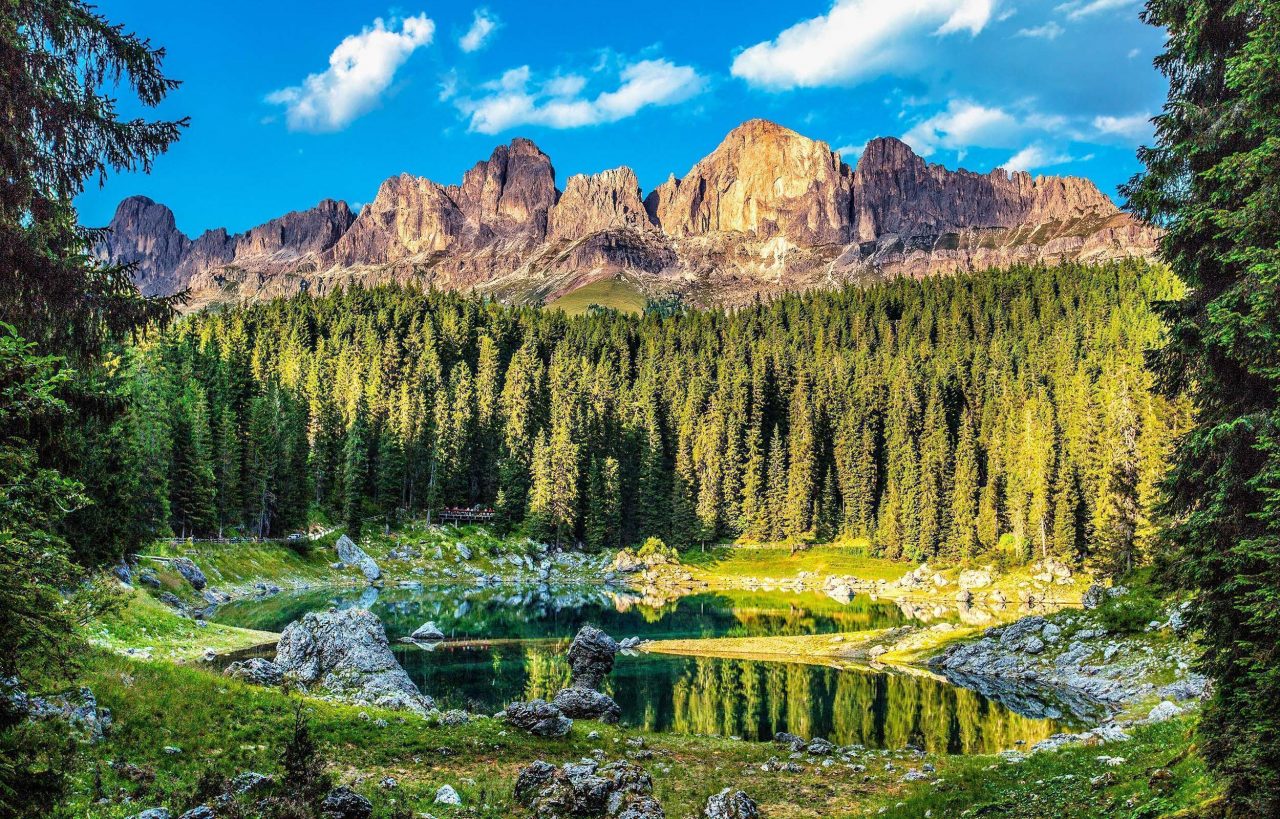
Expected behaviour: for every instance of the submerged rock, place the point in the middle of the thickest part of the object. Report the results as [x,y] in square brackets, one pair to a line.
[730,804]
[539,718]
[345,654]
[586,703]
[257,671]
[349,554]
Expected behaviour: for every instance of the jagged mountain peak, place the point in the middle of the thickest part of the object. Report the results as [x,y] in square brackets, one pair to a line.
[768,210]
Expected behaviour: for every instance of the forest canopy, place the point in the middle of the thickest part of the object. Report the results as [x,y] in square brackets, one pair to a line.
[951,417]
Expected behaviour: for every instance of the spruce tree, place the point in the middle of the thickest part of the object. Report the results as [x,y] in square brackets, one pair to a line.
[1213,180]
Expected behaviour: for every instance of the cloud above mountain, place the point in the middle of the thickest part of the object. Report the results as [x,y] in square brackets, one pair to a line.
[360,71]
[857,40]
[561,101]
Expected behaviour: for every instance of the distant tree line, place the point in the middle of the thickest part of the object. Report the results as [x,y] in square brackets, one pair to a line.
[945,417]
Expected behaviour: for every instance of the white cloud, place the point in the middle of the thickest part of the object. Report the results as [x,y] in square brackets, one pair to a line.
[1134,126]
[482,26]
[1078,9]
[1048,31]
[360,69]
[448,85]
[857,39]
[962,125]
[558,103]
[850,153]
[1035,156]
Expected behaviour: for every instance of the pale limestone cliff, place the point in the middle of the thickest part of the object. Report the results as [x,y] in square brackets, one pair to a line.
[768,211]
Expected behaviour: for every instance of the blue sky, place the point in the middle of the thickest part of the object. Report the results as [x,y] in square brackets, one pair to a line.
[294,102]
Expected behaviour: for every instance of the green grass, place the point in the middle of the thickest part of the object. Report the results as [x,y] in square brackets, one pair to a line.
[224,727]
[146,624]
[1160,775]
[779,562]
[237,566]
[617,293]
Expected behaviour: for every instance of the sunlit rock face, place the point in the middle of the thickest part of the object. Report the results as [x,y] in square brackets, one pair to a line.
[768,211]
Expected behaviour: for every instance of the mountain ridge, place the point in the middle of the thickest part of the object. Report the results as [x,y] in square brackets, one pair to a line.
[767,211]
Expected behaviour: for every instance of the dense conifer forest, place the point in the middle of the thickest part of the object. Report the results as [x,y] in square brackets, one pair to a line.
[1005,412]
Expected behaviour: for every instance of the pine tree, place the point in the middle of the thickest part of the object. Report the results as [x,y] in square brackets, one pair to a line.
[776,494]
[355,472]
[191,486]
[604,509]
[963,529]
[1212,181]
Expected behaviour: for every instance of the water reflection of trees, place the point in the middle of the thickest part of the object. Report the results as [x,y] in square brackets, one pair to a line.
[758,699]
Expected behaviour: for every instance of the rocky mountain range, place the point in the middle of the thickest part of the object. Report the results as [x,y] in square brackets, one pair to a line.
[768,211]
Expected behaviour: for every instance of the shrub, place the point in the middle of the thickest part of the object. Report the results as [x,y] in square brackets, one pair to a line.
[1130,613]
[655,546]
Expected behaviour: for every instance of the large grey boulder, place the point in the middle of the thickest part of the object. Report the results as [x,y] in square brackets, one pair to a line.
[730,804]
[344,803]
[539,718]
[585,789]
[586,703]
[345,655]
[190,571]
[152,813]
[591,657]
[257,671]
[349,554]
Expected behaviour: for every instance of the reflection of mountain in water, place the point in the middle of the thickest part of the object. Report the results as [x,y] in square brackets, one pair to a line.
[507,643]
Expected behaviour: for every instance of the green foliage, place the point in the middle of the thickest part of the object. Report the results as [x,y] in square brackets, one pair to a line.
[1130,613]
[933,418]
[654,547]
[1213,179]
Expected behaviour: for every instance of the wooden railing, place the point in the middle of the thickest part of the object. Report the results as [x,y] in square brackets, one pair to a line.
[457,515]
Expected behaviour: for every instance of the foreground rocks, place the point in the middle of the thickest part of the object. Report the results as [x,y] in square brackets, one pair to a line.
[349,554]
[590,656]
[78,708]
[344,803]
[257,671]
[1042,667]
[586,703]
[586,789]
[730,804]
[538,717]
[345,655]
[190,572]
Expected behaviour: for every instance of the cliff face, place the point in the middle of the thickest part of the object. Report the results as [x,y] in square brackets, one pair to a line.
[767,211]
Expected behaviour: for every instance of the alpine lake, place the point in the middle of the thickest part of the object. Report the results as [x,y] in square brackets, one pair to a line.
[506,643]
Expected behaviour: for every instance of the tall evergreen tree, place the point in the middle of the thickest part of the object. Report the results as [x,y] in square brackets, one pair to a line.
[1213,180]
